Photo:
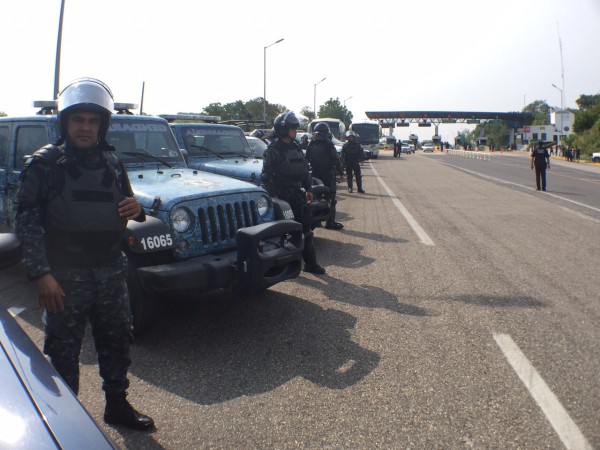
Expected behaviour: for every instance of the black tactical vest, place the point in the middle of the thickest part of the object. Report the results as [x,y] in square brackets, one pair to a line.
[352,152]
[85,205]
[291,166]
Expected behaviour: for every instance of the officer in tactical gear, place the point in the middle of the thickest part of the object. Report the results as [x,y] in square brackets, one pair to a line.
[74,203]
[304,141]
[323,159]
[539,157]
[352,155]
[285,175]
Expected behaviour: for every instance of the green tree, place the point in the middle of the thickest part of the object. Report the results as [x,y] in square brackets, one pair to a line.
[2,114]
[308,112]
[214,109]
[240,110]
[585,102]
[540,111]
[334,109]
[496,132]
[588,114]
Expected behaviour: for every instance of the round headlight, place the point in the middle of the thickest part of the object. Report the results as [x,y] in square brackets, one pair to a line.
[262,206]
[181,219]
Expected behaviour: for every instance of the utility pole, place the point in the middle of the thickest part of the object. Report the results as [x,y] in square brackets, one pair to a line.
[58,46]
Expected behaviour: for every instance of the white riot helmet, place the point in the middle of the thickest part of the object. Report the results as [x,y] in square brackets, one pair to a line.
[85,94]
[350,134]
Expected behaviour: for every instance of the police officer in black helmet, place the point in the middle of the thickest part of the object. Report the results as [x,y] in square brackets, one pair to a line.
[285,175]
[323,159]
[74,203]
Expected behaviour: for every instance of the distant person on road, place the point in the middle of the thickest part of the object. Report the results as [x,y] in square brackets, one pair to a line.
[326,166]
[540,159]
[352,155]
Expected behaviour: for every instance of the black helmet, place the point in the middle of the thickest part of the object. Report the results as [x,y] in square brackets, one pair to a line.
[85,94]
[321,130]
[258,134]
[285,122]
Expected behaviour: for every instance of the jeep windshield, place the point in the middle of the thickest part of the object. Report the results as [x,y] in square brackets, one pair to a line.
[143,140]
[220,141]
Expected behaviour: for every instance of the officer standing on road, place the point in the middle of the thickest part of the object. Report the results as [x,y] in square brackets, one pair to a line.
[304,141]
[398,148]
[325,163]
[285,175]
[74,203]
[352,155]
[539,157]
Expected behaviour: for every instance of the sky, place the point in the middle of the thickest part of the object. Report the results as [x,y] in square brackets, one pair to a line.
[460,55]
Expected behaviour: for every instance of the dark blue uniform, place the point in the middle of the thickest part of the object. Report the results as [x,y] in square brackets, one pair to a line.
[69,226]
[541,160]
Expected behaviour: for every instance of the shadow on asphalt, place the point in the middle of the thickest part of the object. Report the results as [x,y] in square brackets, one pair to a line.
[497,301]
[363,296]
[220,347]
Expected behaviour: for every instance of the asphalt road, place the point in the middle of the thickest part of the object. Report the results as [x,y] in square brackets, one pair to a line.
[461,309]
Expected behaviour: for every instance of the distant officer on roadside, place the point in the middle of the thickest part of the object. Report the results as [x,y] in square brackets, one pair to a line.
[540,159]
[352,155]
[74,203]
[326,166]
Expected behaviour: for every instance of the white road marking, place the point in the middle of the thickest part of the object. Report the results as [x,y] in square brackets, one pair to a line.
[16,310]
[499,180]
[423,237]
[567,430]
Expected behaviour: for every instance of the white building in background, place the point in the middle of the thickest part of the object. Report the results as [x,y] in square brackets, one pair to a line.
[559,119]
[562,120]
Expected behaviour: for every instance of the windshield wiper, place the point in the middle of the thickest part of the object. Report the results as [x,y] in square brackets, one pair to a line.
[148,155]
[202,147]
[240,154]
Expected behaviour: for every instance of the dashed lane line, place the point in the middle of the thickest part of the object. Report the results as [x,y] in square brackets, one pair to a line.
[423,237]
[567,430]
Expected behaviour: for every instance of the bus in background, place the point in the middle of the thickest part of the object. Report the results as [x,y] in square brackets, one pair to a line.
[336,126]
[369,136]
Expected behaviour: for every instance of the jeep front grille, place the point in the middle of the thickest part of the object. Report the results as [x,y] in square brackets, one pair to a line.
[219,223]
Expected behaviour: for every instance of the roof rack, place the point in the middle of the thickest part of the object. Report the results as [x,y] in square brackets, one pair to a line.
[190,116]
[49,107]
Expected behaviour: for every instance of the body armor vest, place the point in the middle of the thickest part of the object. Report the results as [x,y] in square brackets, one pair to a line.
[292,167]
[320,158]
[352,151]
[86,205]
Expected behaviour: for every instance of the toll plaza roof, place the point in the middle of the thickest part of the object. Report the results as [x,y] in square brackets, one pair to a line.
[514,119]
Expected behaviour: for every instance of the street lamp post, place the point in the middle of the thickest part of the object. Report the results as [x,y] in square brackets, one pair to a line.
[561,115]
[58,47]
[315,97]
[345,101]
[265,79]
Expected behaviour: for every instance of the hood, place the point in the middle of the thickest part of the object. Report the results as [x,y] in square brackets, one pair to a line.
[179,185]
[249,170]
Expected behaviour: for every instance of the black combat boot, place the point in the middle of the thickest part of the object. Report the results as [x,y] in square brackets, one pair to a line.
[119,412]
[359,185]
[310,257]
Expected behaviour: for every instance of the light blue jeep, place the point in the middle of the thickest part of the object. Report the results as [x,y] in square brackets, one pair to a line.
[203,231]
[224,149]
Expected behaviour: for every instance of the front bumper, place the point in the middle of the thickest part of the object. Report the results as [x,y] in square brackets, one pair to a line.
[266,254]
